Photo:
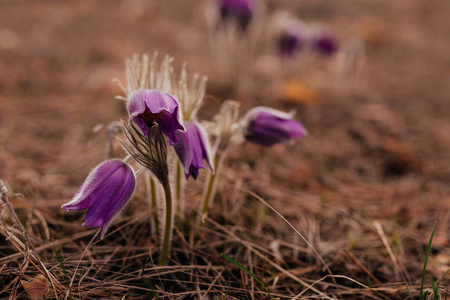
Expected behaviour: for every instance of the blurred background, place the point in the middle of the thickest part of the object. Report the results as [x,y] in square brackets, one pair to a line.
[388,83]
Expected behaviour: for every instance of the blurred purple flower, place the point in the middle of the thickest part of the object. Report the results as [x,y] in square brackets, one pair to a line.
[192,148]
[240,10]
[104,193]
[268,126]
[290,43]
[325,44]
[149,106]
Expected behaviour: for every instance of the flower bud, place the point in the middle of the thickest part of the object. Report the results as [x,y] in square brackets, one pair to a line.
[290,42]
[266,126]
[325,43]
[240,10]
[147,107]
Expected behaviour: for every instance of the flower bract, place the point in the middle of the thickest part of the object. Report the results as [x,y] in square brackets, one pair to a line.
[104,193]
[192,148]
[268,126]
[147,107]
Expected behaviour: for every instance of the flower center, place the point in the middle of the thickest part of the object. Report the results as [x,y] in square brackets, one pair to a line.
[149,117]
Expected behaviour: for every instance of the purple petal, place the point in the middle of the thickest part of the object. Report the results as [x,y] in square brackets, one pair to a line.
[141,123]
[104,193]
[170,125]
[192,148]
[99,175]
[136,105]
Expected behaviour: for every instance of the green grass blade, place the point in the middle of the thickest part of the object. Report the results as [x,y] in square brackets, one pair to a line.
[443,276]
[246,271]
[435,290]
[424,296]
[426,259]
[63,267]
[436,287]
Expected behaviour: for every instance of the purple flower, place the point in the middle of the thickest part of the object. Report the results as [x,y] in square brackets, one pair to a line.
[104,193]
[290,42]
[325,44]
[192,148]
[149,106]
[240,10]
[268,126]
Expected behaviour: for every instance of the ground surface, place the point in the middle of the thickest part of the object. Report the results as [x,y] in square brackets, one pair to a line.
[365,187]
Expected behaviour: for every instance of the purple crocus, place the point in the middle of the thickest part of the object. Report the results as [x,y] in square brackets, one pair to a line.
[240,10]
[290,42]
[325,43]
[192,148]
[149,106]
[268,126]
[104,193]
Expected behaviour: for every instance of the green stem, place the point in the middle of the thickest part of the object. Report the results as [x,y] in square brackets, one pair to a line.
[154,202]
[427,254]
[168,226]
[179,190]
[127,159]
[210,193]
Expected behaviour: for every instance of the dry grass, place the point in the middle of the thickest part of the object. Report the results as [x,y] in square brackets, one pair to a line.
[361,258]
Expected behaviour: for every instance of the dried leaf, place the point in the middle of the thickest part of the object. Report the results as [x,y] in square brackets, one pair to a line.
[37,288]
[296,92]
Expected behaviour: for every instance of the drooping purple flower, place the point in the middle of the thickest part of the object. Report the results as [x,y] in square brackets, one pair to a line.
[192,148]
[104,193]
[325,43]
[240,10]
[268,126]
[290,42]
[149,106]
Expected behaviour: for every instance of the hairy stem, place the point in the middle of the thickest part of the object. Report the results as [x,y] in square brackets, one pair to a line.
[210,191]
[179,190]
[154,202]
[127,159]
[168,226]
